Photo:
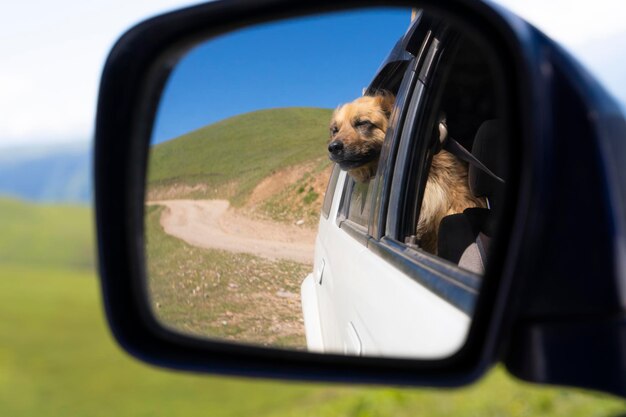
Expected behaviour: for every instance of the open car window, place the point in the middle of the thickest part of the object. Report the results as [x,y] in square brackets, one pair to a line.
[449,205]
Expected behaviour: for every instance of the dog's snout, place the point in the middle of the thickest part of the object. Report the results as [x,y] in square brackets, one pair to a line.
[335,147]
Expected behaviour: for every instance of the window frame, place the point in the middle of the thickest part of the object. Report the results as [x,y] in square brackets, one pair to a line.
[453,284]
[329,195]
[415,166]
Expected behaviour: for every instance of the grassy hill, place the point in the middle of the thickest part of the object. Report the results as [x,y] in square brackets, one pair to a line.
[51,235]
[229,158]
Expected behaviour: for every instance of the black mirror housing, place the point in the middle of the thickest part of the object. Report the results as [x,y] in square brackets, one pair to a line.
[569,139]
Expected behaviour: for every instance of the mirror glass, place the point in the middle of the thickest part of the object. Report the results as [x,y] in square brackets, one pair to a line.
[328,183]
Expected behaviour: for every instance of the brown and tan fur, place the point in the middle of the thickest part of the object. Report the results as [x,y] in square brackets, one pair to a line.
[447,190]
[362,140]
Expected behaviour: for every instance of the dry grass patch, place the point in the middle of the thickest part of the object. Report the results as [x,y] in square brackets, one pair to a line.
[219,294]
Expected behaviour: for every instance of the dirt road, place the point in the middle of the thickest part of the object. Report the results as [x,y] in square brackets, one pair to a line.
[213,224]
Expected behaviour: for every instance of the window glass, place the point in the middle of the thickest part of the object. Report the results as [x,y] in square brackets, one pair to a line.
[330,191]
[359,203]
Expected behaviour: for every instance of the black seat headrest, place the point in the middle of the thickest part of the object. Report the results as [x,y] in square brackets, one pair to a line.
[489,147]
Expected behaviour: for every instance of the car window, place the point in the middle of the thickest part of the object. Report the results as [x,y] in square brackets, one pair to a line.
[330,191]
[359,204]
[445,214]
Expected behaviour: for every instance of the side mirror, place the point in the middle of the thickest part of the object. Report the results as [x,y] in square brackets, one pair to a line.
[416,235]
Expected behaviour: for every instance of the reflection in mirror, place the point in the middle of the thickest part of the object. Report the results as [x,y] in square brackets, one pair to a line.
[314,184]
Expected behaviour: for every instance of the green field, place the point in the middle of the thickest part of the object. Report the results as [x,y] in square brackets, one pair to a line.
[230,157]
[60,236]
[57,357]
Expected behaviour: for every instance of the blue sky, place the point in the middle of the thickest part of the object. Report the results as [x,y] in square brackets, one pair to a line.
[51,60]
[317,62]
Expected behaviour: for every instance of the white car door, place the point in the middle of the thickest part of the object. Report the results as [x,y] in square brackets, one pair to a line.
[371,307]
[375,294]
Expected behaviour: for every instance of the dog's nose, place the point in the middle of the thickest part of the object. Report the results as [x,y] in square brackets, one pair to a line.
[335,147]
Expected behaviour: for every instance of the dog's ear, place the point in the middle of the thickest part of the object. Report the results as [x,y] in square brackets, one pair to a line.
[385,101]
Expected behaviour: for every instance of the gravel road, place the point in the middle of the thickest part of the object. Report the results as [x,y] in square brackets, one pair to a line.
[214,224]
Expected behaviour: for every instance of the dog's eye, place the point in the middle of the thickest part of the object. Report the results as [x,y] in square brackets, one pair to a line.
[363,123]
[334,130]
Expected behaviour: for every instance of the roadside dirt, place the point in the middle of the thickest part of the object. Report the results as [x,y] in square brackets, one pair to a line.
[214,224]
[276,183]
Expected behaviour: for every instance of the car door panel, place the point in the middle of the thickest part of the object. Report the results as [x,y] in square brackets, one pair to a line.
[396,315]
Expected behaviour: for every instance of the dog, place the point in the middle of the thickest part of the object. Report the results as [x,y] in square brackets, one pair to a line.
[357,133]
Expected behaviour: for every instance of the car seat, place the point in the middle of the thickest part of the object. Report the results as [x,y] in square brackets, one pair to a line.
[464,238]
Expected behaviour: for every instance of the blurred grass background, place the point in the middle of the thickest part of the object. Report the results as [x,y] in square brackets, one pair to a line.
[57,357]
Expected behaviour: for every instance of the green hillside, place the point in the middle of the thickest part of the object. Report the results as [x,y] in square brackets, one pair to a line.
[51,235]
[228,158]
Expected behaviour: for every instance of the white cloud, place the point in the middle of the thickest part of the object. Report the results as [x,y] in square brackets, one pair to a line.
[572,22]
[50,62]
[52,54]
[592,31]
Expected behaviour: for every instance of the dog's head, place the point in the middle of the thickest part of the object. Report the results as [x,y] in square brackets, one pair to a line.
[357,131]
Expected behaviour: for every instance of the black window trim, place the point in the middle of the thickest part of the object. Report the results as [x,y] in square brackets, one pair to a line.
[455,285]
[389,152]
[399,178]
